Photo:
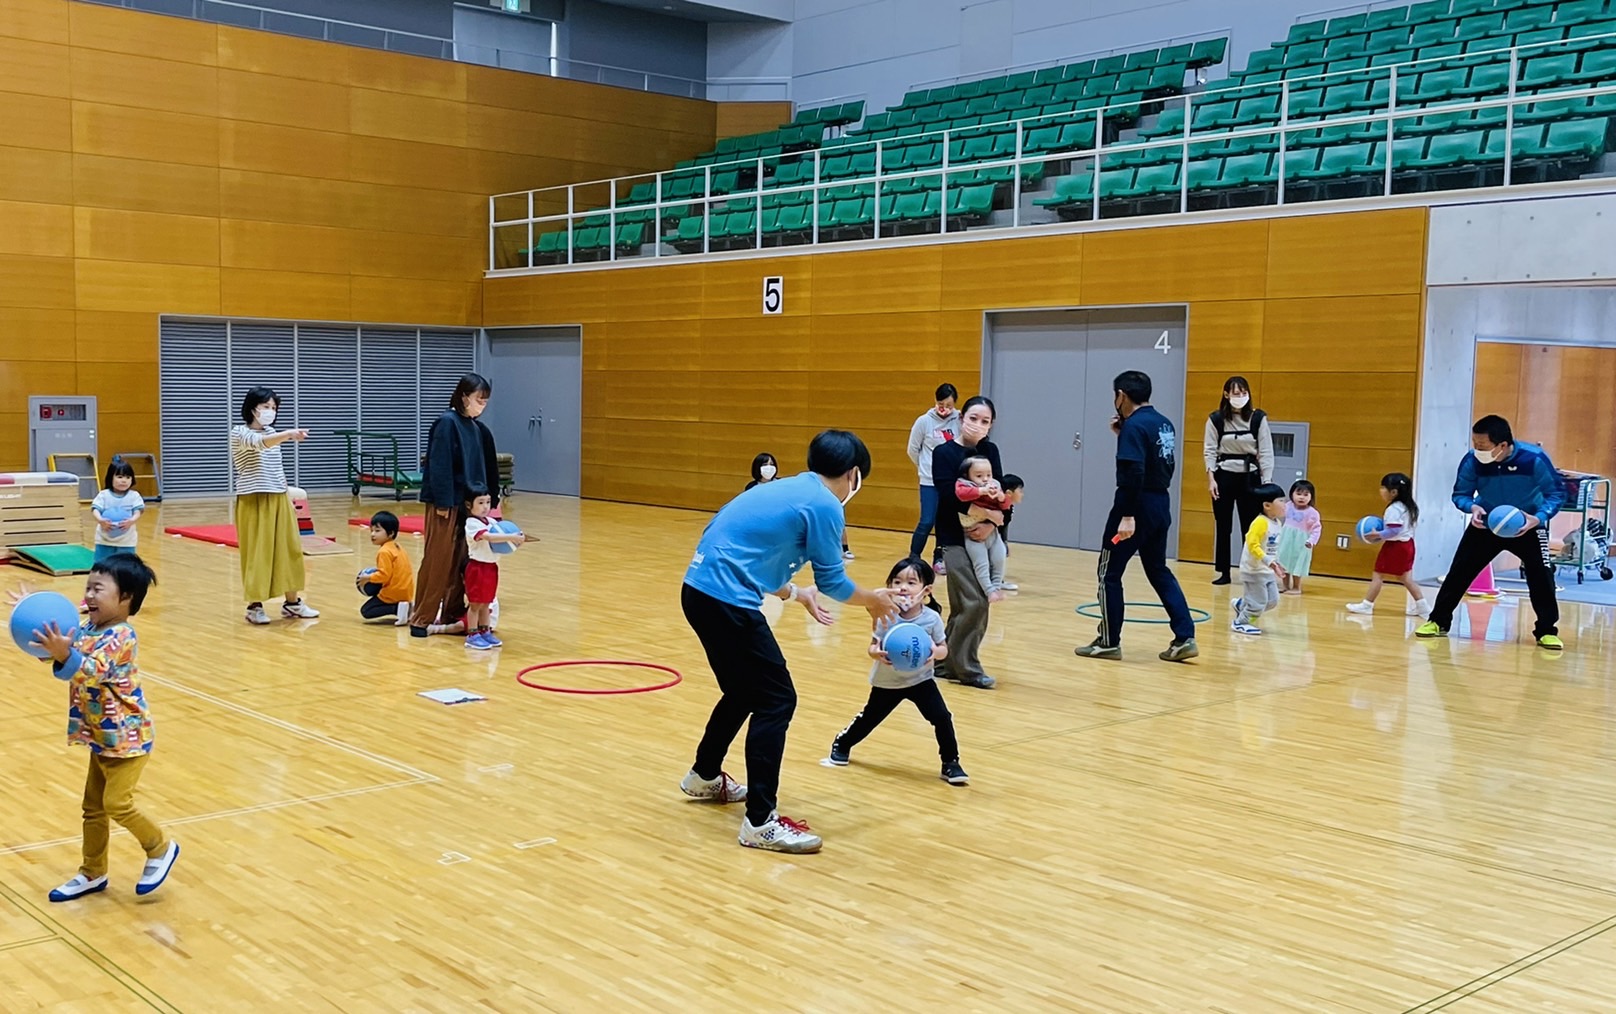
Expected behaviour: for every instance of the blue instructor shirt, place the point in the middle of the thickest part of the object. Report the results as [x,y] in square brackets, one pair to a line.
[759,539]
[1526,479]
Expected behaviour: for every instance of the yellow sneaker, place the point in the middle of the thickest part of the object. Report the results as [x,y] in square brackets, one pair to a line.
[1549,642]
[1429,629]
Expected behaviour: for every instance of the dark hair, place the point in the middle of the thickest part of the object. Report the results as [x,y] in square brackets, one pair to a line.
[387,521]
[1267,493]
[1402,488]
[946,391]
[1011,482]
[979,399]
[130,573]
[834,453]
[757,466]
[1494,428]
[1227,410]
[923,570]
[965,466]
[116,468]
[470,384]
[257,396]
[1134,385]
[475,491]
[1306,487]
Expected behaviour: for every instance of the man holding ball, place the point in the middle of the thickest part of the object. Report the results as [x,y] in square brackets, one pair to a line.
[1501,472]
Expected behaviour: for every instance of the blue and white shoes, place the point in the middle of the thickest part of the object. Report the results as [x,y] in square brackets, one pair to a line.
[156,871]
[78,887]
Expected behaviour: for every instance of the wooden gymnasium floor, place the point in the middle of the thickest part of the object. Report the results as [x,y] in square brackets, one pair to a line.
[1334,817]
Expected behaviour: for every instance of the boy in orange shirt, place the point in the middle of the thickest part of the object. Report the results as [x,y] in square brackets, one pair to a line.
[391,583]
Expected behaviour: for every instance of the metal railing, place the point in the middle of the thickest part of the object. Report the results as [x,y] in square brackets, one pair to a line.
[519,231]
[311,26]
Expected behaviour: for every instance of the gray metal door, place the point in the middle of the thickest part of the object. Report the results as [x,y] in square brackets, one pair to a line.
[1050,375]
[1035,375]
[1145,338]
[536,412]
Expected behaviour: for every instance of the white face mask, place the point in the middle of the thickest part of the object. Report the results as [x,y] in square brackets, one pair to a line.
[767,472]
[858,484]
[266,416]
[1239,400]
[975,430]
[1486,457]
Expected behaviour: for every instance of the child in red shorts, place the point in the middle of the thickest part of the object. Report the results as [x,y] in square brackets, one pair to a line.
[1395,561]
[482,571]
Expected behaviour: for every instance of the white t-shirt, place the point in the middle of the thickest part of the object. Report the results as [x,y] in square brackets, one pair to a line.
[1397,514]
[479,549]
[105,501]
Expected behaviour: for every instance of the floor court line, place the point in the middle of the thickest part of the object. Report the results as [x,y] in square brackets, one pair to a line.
[1515,967]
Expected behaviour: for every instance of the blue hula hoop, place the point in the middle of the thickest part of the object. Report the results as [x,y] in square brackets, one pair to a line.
[1198,615]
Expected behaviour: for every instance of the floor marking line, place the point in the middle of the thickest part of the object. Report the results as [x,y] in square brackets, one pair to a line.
[28,943]
[535,843]
[1515,967]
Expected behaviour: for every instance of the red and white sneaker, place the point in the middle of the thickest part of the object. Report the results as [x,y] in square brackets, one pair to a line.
[722,789]
[779,834]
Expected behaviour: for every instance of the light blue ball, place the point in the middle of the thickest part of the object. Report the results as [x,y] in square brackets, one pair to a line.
[506,528]
[117,515]
[1506,522]
[34,612]
[908,646]
[1370,525]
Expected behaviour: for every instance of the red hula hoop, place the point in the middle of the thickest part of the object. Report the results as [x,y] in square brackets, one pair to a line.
[677,677]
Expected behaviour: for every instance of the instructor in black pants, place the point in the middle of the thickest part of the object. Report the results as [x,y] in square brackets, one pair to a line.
[1239,453]
[1140,520]
[1501,472]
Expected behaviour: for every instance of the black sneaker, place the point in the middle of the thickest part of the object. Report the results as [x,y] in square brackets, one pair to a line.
[1221,579]
[839,754]
[981,681]
[953,774]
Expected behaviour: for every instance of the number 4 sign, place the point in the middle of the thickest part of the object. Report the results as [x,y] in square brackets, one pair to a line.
[1163,345]
[774,295]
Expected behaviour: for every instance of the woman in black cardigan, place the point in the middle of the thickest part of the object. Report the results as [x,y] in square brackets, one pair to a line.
[967,600]
[460,462]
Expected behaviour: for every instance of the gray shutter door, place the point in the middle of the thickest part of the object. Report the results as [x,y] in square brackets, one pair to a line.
[446,356]
[196,408]
[388,393]
[327,400]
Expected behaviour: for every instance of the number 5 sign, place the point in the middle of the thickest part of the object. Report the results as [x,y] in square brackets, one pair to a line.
[774,295]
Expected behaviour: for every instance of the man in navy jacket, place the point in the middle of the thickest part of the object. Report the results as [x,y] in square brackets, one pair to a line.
[1499,472]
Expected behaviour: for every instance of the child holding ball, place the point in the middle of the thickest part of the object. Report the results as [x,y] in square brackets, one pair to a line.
[482,571]
[390,584]
[108,713]
[116,509]
[910,582]
[1395,561]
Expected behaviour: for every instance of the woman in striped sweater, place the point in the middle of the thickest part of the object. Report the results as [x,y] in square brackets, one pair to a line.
[266,525]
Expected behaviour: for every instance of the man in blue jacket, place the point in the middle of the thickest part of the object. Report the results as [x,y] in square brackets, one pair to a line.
[750,549]
[1498,472]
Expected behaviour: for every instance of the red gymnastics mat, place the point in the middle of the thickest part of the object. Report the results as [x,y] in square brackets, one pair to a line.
[411,524]
[219,535]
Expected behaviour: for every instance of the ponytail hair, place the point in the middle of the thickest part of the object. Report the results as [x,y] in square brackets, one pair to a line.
[1402,488]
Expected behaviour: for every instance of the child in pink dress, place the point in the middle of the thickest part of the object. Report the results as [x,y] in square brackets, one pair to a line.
[1301,533]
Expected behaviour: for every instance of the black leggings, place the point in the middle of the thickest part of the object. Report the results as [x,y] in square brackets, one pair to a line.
[883,701]
[1234,494]
[374,608]
[752,675]
[1477,548]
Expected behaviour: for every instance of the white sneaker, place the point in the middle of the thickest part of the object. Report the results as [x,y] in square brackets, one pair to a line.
[847,554]
[722,789]
[779,834]
[457,627]
[78,887]
[1422,609]
[1246,628]
[403,615]
[299,610]
[156,870]
[493,615]
[257,617]
[1361,608]
[1010,586]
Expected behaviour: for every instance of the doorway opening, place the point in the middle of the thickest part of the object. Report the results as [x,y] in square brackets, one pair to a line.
[536,414]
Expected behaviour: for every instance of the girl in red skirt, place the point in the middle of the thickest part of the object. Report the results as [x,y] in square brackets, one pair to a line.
[1395,561]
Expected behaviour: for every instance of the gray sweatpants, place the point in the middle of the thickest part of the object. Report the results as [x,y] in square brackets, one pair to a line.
[987,559]
[1258,594]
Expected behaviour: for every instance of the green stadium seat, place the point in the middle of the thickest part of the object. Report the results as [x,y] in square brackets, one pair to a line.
[1049,76]
[1134,81]
[1270,59]
[1437,86]
[1598,66]
[1208,53]
[1346,45]
[552,242]
[1340,98]
[1449,150]
[1584,35]
[1387,40]
[971,203]
[1432,33]
[1110,66]
[1204,174]
[1565,139]
[1346,25]
[1151,181]
[1293,56]
[1079,70]
[1214,115]
[1142,59]
[1460,8]
[1305,32]
[1487,80]
[1020,81]
[1573,11]
[1524,19]
[1262,109]
[1548,71]
[1334,162]
[1386,18]
[1167,77]
[1439,51]
[796,218]
[1479,25]
[1176,54]
[1431,10]
[1244,170]
[1170,121]
[1068,190]
[1538,43]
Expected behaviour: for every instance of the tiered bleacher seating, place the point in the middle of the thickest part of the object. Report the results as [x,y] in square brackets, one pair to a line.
[1435,54]
[1438,58]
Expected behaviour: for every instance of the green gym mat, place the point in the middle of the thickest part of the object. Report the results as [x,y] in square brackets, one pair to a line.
[56,561]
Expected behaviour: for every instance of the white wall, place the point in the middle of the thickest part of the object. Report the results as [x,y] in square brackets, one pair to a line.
[881,48]
[1501,271]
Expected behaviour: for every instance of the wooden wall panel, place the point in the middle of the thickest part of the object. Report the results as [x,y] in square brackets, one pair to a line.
[1375,252]
[285,101]
[306,294]
[36,282]
[1563,397]
[294,153]
[277,246]
[38,20]
[36,230]
[45,177]
[121,31]
[116,335]
[34,68]
[158,288]
[134,185]
[867,334]
[106,234]
[144,82]
[38,121]
[416,301]
[736,119]
[31,333]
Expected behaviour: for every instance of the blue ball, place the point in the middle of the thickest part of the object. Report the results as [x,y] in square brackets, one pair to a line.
[1506,522]
[34,612]
[504,527]
[117,514]
[1370,525]
[908,646]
